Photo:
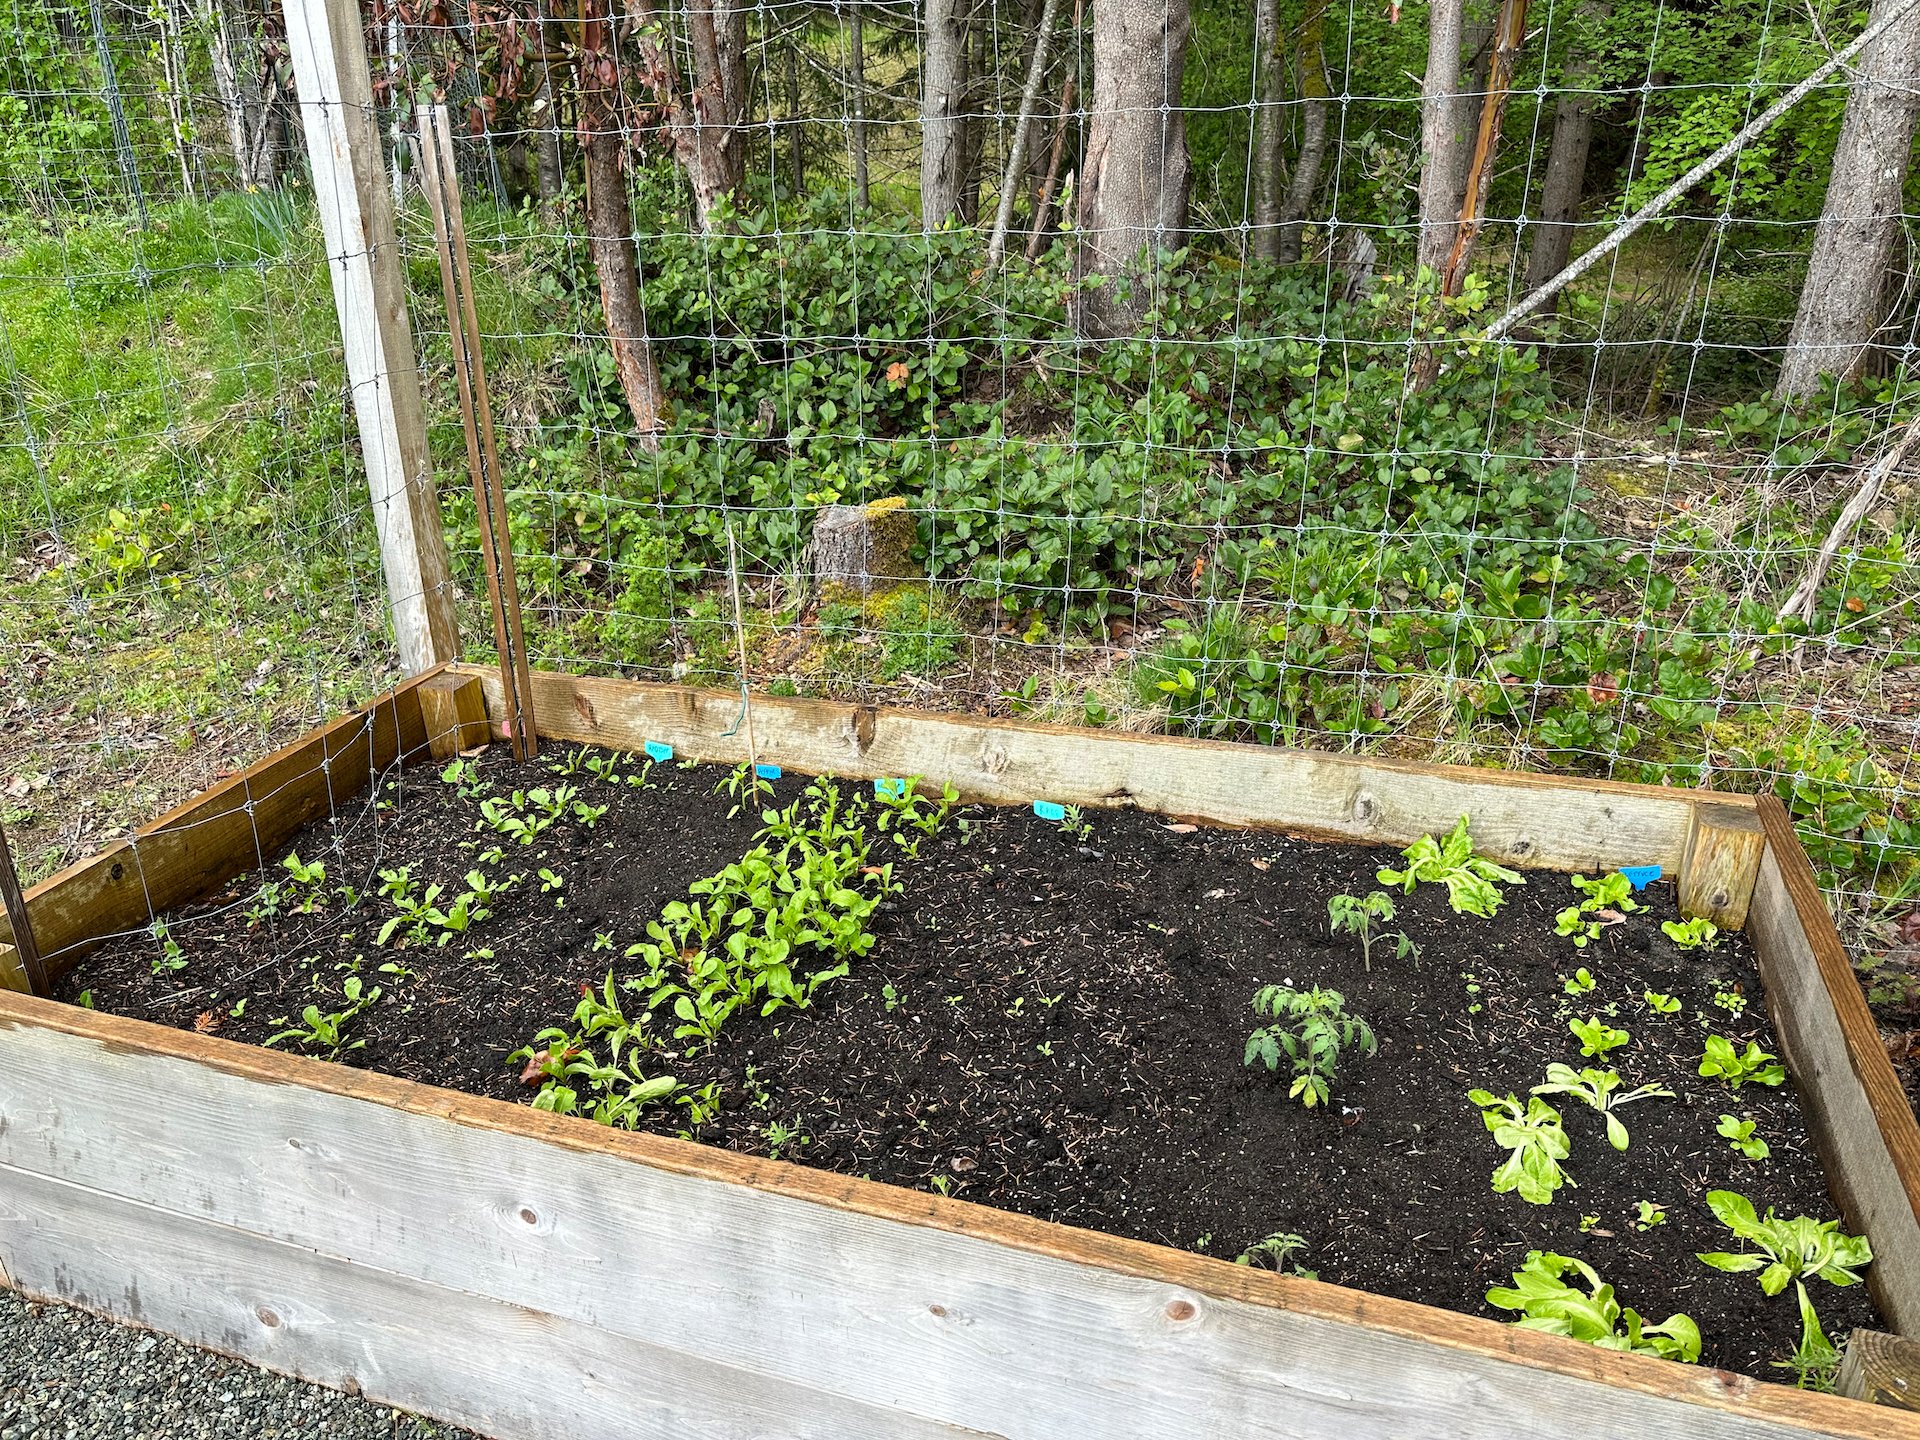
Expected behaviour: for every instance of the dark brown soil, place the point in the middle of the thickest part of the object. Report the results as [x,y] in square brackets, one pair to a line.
[1057,1027]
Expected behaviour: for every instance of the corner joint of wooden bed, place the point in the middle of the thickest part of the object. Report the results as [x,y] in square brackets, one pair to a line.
[1881,1369]
[1721,863]
[453,708]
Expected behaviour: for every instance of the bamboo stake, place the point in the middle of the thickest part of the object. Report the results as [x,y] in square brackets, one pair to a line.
[441,183]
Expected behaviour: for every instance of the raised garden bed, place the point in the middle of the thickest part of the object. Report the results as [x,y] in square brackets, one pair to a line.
[1048,1023]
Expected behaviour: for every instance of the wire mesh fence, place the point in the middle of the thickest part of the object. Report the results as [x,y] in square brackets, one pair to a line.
[1109,363]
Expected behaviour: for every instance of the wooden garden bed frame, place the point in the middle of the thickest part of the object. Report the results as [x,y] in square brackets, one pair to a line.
[533,1276]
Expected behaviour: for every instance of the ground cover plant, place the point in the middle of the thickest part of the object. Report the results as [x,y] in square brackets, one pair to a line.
[874,979]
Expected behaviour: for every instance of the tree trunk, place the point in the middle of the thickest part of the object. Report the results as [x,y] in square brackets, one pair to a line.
[1022,131]
[796,139]
[1268,124]
[1133,183]
[1566,177]
[550,172]
[1443,136]
[1314,91]
[1510,33]
[974,109]
[610,220]
[1062,128]
[709,136]
[857,90]
[1843,302]
[943,98]
[234,58]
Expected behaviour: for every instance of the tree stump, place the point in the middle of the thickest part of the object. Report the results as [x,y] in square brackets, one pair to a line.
[863,548]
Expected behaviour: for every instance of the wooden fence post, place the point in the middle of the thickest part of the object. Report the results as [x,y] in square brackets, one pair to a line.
[335,88]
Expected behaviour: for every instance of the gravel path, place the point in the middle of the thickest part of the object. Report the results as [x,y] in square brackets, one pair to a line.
[66,1375]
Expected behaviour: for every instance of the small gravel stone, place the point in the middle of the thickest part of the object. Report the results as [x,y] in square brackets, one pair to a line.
[66,1375]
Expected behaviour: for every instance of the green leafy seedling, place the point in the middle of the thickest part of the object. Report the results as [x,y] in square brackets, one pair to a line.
[1785,1251]
[1357,917]
[1310,1028]
[1473,883]
[1580,982]
[1596,1037]
[1601,1090]
[1537,1139]
[1752,1066]
[1661,1004]
[1699,933]
[1276,1253]
[1546,1302]
[1739,1134]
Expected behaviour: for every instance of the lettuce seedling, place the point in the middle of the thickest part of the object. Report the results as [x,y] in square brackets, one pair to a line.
[1699,933]
[1548,1303]
[1739,1134]
[1597,1088]
[1740,1067]
[1787,1250]
[1469,878]
[1536,1137]
[322,1031]
[1596,1037]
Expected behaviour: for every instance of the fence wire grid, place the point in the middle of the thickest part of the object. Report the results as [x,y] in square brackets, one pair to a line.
[1167,344]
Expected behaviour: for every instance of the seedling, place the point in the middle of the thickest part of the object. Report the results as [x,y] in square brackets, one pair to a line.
[607,767]
[1470,879]
[1699,933]
[1538,1140]
[890,996]
[1596,1037]
[1815,1361]
[266,903]
[747,786]
[1311,1028]
[1740,1067]
[550,882]
[312,877]
[1546,1302]
[1275,1253]
[570,764]
[909,816]
[321,1031]
[1075,825]
[1731,1001]
[1661,1004]
[1598,1088]
[784,1137]
[1739,1134]
[1787,1250]
[588,815]
[1651,1214]
[1580,982]
[1357,917]
[171,956]
[466,775]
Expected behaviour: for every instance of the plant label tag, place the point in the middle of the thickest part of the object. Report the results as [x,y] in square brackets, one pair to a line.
[1640,876]
[890,786]
[767,772]
[1049,810]
[658,751]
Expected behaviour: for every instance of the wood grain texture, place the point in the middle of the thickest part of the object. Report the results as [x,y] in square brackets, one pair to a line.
[1544,822]
[1862,1126]
[503,1370]
[453,712]
[844,1296]
[1723,857]
[1880,1369]
[219,833]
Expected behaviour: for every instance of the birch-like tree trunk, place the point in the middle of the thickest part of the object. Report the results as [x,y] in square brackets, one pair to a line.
[943,99]
[1509,34]
[1311,51]
[1444,117]
[1062,128]
[1134,182]
[1566,178]
[234,57]
[1269,126]
[610,220]
[1843,302]
[1022,132]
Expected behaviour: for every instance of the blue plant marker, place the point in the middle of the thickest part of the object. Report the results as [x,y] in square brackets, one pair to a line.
[1641,876]
[767,772]
[891,786]
[1048,810]
[658,751]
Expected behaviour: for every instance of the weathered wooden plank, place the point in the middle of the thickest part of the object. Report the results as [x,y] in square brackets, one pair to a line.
[1545,822]
[1723,856]
[961,1316]
[503,1370]
[453,711]
[219,833]
[1880,1369]
[1862,1126]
